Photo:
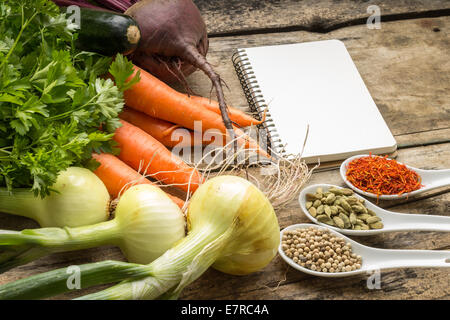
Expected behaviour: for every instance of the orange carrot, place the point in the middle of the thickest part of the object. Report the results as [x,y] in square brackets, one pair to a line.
[118,176]
[142,152]
[155,98]
[159,129]
[239,117]
[164,131]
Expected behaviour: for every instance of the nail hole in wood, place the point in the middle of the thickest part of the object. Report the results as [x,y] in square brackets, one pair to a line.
[436,29]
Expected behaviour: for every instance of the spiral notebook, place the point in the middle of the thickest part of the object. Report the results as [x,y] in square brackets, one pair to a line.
[312,85]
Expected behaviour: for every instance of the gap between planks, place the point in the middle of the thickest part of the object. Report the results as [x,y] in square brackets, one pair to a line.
[319,28]
[423,138]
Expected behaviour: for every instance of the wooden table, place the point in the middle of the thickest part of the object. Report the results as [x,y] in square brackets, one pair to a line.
[406,67]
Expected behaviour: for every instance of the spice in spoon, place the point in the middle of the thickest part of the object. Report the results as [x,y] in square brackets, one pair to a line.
[382,176]
[339,207]
[320,250]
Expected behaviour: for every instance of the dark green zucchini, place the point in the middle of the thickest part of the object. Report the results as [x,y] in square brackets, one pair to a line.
[107,33]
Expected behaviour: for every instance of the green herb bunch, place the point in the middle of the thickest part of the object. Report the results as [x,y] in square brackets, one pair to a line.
[56,105]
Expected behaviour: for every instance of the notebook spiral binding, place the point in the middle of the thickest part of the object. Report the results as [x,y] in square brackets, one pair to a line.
[256,100]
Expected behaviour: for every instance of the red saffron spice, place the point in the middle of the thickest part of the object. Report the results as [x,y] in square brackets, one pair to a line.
[382,176]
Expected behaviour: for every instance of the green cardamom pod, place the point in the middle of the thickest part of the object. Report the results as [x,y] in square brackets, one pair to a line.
[364,216]
[359,208]
[336,191]
[320,209]
[325,219]
[352,218]
[372,219]
[327,210]
[345,205]
[376,225]
[346,220]
[341,191]
[312,211]
[347,191]
[330,198]
[342,210]
[334,210]
[339,222]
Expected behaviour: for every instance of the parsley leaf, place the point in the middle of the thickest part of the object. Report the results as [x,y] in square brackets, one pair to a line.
[122,70]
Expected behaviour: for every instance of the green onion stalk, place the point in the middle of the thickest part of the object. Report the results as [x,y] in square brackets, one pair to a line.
[232,227]
[146,224]
[79,198]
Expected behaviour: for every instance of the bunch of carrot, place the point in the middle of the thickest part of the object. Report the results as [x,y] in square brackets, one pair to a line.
[154,112]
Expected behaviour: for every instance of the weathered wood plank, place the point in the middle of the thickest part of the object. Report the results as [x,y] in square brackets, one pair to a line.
[405,66]
[395,284]
[236,16]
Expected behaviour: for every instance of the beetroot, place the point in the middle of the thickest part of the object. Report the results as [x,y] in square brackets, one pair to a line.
[173,32]
[174,41]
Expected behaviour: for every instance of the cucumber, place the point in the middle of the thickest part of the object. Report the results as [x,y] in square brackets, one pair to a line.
[107,33]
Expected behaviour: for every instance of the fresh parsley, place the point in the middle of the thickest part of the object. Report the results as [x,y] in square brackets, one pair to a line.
[56,105]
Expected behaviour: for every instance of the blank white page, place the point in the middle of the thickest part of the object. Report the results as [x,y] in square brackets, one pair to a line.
[317,83]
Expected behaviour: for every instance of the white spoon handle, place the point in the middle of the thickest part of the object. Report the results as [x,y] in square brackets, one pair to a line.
[384,258]
[445,176]
[436,178]
[420,222]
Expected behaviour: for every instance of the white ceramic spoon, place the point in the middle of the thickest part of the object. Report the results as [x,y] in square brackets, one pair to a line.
[392,221]
[374,258]
[431,179]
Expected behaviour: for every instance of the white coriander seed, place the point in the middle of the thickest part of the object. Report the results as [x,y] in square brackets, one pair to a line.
[320,250]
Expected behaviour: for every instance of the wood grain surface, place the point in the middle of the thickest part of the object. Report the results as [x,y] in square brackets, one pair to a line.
[406,68]
[256,16]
